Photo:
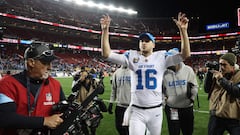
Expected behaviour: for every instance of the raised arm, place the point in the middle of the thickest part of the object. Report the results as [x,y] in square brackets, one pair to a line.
[182,24]
[105,45]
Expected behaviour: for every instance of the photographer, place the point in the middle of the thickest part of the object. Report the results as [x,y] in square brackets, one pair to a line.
[85,85]
[223,87]
[26,98]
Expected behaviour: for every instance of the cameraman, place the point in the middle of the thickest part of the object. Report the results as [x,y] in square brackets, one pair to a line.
[223,87]
[85,85]
[26,98]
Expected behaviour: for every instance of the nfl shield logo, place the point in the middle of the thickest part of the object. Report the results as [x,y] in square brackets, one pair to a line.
[48,97]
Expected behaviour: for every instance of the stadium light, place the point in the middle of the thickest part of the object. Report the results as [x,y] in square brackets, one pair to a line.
[102,6]
[111,8]
[79,2]
[68,0]
[91,4]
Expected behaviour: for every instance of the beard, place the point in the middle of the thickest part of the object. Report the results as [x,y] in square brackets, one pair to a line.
[45,75]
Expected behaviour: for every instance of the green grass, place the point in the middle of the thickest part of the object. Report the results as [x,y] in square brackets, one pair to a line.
[107,126]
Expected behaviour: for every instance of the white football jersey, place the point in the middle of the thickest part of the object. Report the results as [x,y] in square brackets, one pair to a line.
[147,75]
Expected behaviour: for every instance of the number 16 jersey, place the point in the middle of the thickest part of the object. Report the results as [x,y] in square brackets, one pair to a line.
[147,75]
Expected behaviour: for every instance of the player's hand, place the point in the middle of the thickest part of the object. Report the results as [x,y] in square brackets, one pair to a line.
[110,108]
[182,21]
[53,121]
[105,22]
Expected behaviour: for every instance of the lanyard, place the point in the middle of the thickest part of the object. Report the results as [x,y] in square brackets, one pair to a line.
[31,108]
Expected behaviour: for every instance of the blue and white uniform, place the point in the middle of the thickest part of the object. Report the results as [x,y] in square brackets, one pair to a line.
[146,87]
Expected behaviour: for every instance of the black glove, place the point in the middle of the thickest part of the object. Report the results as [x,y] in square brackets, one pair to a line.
[101,104]
[110,108]
[192,101]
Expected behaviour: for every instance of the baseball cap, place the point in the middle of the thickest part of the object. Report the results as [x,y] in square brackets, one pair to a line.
[147,35]
[40,52]
[172,51]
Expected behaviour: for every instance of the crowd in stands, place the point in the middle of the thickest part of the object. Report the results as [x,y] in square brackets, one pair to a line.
[72,14]
[69,61]
[11,59]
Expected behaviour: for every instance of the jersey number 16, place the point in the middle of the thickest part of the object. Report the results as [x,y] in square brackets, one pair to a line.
[150,82]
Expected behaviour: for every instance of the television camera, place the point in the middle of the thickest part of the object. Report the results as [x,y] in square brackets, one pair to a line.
[77,115]
[212,65]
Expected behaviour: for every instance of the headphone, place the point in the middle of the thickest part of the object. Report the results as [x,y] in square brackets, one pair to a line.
[27,51]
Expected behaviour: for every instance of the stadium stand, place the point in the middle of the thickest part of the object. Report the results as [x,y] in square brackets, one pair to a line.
[71,15]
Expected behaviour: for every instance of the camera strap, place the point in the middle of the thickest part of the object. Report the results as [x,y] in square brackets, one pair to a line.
[32,107]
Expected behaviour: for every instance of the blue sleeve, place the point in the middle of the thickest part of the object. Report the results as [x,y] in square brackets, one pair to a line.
[5,99]
[127,54]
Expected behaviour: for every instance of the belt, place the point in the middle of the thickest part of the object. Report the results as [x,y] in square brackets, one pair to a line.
[150,107]
[123,105]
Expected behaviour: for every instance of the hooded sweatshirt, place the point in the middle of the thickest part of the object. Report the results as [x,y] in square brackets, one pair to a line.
[175,85]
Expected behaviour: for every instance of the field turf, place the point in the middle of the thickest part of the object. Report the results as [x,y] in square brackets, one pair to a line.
[107,125]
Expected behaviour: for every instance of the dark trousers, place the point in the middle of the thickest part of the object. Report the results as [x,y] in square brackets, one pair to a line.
[119,114]
[217,126]
[185,123]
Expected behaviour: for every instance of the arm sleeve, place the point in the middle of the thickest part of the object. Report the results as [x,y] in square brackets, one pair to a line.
[114,88]
[120,59]
[232,89]
[13,120]
[193,80]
